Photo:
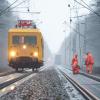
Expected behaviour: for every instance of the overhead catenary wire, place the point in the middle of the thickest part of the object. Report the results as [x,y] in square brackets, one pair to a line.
[88,5]
[88,8]
[87,40]
[20,4]
[6,9]
[82,15]
[24,12]
[1,12]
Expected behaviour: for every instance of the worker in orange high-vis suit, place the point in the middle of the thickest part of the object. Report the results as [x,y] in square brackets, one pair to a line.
[75,66]
[89,61]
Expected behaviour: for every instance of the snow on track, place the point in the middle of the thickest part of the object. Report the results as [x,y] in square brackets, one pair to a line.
[46,85]
[9,77]
[71,90]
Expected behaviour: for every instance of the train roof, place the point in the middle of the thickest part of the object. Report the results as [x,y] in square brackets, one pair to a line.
[24,30]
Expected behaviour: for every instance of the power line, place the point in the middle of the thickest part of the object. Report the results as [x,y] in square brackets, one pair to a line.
[19,4]
[4,11]
[87,8]
[25,12]
[87,40]
[81,15]
[22,11]
[7,7]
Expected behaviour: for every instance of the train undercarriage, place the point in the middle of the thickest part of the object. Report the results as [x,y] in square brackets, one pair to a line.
[25,62]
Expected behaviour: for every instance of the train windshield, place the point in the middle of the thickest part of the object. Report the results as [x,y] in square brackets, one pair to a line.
[32,40]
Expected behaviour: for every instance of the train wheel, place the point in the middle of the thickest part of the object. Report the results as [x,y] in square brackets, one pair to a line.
[33,69]
[22,69]
[16,69]
[36,69]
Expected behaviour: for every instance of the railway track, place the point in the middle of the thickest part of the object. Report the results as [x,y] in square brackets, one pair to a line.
[85,92]
[6,82]
[96,78]
[6,73]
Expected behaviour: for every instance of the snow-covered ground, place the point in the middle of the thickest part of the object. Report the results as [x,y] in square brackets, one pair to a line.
[48,84]
[70,89]
[9,77]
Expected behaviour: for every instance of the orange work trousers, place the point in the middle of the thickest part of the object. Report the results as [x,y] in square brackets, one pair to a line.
[75,69]
[89,68]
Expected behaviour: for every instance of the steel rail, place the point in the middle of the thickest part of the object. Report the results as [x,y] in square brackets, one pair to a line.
[86,94]
[6,73]
[7,83]
[96,78]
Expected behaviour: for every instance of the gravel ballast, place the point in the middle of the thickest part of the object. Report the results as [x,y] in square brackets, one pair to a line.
[45,85]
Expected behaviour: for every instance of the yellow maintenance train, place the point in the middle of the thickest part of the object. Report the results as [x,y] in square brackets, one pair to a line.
[25,46]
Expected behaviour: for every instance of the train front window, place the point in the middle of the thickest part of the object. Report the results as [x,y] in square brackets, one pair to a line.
[30,40]
[15,40]
[24,40]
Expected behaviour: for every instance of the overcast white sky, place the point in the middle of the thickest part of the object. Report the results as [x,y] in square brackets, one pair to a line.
[52,14]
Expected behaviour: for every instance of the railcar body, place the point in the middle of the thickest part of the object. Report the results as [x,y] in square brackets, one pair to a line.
[25,48]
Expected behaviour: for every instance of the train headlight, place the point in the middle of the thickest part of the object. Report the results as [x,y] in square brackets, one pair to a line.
[35,54]
[12,53]
[24,46]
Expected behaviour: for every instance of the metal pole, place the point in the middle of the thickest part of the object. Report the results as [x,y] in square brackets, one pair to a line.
[79,36]
[70,44]
[85,35]
[65,48]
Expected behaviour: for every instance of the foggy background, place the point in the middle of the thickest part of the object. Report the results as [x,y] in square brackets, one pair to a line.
[89,28]
[60,35]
